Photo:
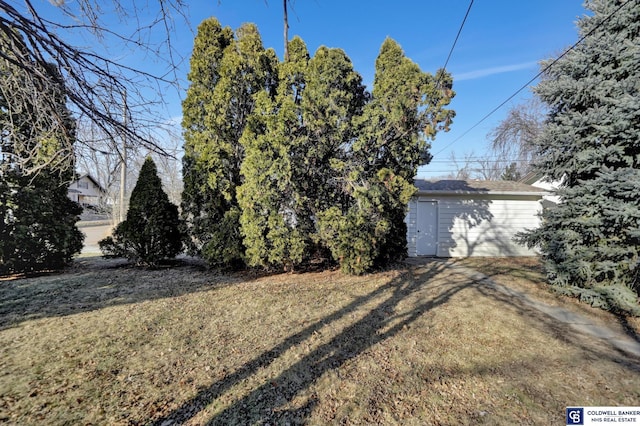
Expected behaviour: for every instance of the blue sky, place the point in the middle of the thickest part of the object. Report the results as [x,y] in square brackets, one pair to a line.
[497,52]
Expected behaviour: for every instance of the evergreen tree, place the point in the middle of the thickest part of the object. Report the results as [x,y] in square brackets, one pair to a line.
[359,236]
[226,73]
[333,99]
[590,241]
[37,220]
[151,231]
[322,164]
[511,172]
[269,198]
[200,204]
[290,147]
[406,109]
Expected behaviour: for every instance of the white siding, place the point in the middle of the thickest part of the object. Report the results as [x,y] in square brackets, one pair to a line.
[478,225]
[91,189]
[549,186]
[411,220]
[84,191]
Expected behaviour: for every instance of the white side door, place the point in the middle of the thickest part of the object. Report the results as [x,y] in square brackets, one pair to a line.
[427,228]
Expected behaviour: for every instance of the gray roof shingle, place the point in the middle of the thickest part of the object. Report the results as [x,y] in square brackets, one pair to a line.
[476,186]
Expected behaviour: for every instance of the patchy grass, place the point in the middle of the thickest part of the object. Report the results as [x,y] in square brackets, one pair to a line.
[104,343]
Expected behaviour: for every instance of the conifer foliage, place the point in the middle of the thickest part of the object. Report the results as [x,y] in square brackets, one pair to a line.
[227,71]
[269,198]
[151,233]
[405,110]
[314,165]
[590,241]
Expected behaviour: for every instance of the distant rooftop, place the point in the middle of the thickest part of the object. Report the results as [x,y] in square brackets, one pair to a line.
[476,186]
[531,177]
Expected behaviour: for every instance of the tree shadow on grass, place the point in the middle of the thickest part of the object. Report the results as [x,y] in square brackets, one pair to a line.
[533,271]
[268,403]
[94,283]
[574,329]
[285,399]
[628,328]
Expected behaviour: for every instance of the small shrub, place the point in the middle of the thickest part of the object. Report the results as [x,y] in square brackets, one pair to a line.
[37,224]
[151,232]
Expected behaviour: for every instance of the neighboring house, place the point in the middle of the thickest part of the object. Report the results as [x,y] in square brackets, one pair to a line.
[457,218]
[540,181]
[86,191]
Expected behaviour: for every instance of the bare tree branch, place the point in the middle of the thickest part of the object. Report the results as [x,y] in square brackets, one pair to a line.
[513,139]
[95,83]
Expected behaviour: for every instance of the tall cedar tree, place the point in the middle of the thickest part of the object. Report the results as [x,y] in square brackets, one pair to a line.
[407,108]
[322,164]
[333,100]
[151,233]
[590,241]
[202,206]
[226,73]
[269,198]
[288,173]
[37,219]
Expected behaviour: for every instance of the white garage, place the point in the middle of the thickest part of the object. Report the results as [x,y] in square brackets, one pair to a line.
[457,218]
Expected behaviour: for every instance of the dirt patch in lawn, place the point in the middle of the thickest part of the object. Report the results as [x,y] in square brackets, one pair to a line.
[110,344]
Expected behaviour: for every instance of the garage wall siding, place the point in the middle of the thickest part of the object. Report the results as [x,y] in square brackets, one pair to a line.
[477,225]
[411,220]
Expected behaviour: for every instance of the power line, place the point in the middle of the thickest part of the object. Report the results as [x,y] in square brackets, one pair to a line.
[450,172]
[457,36]
[475,170]
[477,159]
[544,70]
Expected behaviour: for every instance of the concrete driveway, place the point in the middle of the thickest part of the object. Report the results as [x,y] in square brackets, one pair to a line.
[93,234]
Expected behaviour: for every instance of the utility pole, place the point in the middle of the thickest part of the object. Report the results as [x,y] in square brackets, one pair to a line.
[123,159]
[286,32]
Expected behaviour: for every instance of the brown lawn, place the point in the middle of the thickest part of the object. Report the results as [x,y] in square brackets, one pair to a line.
[104,343]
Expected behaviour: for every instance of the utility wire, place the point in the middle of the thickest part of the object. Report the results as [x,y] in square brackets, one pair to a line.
[455,41]
[544,70]
[483,159]
[457,35]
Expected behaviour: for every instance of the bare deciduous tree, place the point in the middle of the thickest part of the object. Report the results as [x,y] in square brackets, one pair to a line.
[476,167]
[512,141]
[100,161]
[512,150]
[94,82]
[462,168]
